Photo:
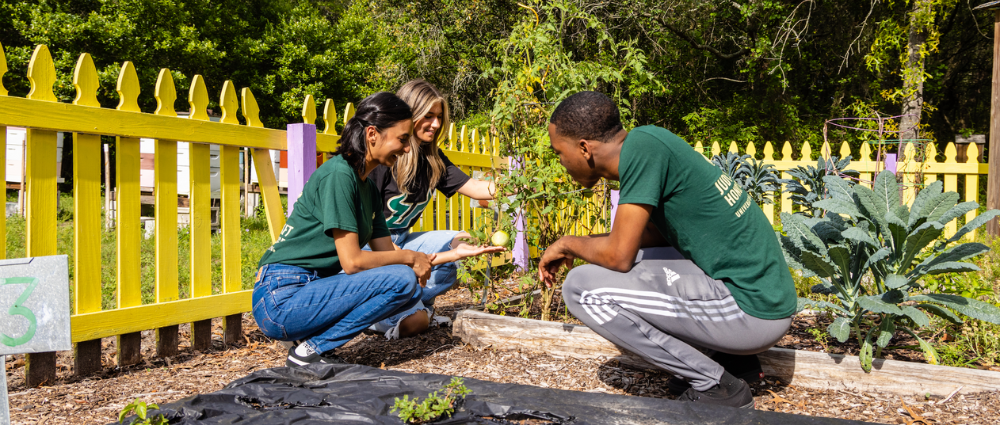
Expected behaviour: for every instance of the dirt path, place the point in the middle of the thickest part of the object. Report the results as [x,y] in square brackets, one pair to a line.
[99,398]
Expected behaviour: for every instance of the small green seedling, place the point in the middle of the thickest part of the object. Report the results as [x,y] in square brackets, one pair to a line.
[434,406]
[140,407]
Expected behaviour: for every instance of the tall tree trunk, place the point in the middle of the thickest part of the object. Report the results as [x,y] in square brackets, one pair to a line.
[913,77]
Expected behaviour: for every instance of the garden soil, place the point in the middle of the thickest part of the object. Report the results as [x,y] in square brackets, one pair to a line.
[99,398]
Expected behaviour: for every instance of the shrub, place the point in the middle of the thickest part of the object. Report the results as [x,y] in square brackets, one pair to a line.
[871,251]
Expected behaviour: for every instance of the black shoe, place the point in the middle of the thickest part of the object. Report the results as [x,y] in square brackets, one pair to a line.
[294,359]
[746,368]
[730,391]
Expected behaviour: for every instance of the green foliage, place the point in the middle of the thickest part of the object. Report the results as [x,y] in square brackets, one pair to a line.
[808,186]
[140,409]
[282,49]
[433,407]
[872,253]
[758,179]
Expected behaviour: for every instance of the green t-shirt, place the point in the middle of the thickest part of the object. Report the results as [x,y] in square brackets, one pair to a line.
[708,218]
[334,197]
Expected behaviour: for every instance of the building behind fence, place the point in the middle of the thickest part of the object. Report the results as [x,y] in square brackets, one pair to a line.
[43,116]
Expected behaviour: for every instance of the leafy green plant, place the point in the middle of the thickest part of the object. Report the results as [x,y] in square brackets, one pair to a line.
[140,409]
[434,406]
[758,179]
[807,183]
[871,252]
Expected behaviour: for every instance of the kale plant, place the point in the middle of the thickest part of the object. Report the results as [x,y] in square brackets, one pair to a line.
[759,180]
[807,184]
[870,251]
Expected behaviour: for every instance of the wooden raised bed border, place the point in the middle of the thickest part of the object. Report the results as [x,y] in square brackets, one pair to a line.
[804,369]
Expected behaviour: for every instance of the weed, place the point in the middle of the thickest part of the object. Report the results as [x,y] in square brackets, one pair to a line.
[434,406]
[139,408]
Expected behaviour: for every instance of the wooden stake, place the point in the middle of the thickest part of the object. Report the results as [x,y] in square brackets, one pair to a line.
[993,178]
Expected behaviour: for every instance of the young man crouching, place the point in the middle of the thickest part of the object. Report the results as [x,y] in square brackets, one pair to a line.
[709,290]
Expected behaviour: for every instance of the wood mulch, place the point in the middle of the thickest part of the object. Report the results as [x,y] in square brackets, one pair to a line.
[99,398]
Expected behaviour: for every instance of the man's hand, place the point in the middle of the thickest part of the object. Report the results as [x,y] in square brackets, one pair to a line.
[552,260]
[421,265]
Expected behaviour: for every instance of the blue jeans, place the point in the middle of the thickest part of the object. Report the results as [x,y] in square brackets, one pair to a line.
[292,303]
[443,276]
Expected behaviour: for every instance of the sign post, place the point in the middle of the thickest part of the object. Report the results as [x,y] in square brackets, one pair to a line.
[34,311]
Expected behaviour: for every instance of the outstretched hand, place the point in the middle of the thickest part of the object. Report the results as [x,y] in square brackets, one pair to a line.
[466,250]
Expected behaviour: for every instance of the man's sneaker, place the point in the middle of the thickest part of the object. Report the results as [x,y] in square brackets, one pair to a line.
[746,368]
[730,391]
[295,359]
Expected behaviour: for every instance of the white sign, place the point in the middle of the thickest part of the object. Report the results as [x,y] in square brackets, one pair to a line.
[34,311]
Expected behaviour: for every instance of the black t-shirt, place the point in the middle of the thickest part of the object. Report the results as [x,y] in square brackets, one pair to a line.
[402,211]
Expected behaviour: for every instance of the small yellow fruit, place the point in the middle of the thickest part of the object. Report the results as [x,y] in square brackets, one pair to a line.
[500,238]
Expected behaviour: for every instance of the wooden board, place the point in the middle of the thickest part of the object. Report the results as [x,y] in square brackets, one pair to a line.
[804,369]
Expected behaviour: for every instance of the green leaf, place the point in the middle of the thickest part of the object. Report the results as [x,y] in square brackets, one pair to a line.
[903,212]
[838,206]
[841,256]
[840,329]
[980,220]
[918,240]
[877,257]
[951,267]
[886,330]
[866,354]
[936,207]
[970,307]
[942,313]
[838,188]
[956,253]
[926,194]
[886,190]
[818,305]
[957,211]
[918,317]
[140,410]
[825,229]
[895,281]
[870,205]
[897,233]
[817,263]
[801,234]
[860,236]
[877,304]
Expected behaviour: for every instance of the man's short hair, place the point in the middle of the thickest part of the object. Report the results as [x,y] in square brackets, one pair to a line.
[587,115]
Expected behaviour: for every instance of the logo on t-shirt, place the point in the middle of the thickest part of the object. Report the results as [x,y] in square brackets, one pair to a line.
[672,276]
[403,213]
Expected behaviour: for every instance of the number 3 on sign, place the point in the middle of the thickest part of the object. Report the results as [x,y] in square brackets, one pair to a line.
[20,310]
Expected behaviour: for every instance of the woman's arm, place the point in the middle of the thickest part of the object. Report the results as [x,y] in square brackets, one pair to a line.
[353,259]
[464,251]
[478,189]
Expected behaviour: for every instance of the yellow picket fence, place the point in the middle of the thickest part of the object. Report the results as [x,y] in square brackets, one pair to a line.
[915,174]
[43,116]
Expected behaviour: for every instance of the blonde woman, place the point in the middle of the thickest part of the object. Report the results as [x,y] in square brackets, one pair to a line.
[407,188]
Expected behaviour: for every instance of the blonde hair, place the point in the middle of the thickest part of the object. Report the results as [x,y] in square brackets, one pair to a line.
[421,96]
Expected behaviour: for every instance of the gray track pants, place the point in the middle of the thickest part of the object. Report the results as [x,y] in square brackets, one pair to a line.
[663,309]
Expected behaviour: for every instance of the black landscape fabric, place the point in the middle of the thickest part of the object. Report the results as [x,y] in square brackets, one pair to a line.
[351,394]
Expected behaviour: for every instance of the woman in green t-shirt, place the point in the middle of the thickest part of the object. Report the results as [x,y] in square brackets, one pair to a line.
[300,292]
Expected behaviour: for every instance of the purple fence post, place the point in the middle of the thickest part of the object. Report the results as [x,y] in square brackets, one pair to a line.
[890,162]
[614,209]
[521,251]
[301,159]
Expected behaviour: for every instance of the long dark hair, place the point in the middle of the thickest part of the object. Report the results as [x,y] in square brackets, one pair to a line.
[381,110]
